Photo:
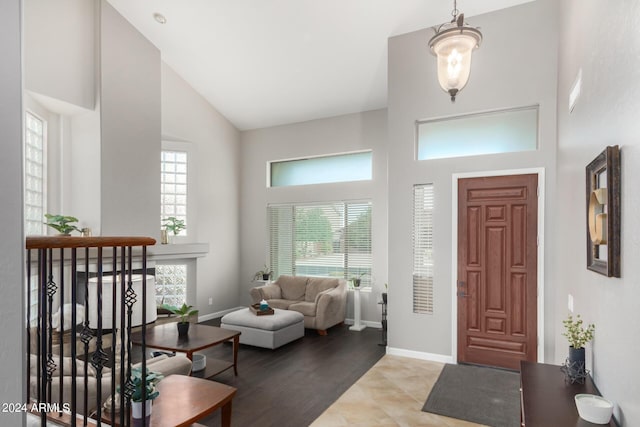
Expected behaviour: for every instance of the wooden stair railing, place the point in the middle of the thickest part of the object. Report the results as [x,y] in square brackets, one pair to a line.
[53,264]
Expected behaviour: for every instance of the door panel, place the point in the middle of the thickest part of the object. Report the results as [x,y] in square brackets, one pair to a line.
[497,270]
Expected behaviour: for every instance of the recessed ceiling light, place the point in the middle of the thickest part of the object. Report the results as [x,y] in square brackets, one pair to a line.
[160,18]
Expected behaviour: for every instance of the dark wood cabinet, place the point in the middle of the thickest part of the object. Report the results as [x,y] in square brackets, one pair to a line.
[546,400]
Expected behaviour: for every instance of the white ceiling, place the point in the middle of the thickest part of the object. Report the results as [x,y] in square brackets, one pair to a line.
[262,63]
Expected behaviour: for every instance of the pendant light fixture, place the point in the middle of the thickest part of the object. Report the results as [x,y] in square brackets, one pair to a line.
[453,44]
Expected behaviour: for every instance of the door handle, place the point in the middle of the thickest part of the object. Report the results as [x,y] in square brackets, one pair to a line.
[461,293]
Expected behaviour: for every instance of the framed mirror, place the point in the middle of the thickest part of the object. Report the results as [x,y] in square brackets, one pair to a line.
[603,213]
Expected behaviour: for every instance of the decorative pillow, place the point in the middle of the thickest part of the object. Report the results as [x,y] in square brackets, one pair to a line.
[293,288]
[317,285]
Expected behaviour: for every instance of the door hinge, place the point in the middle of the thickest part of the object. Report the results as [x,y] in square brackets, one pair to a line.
[538,191]
[538,240]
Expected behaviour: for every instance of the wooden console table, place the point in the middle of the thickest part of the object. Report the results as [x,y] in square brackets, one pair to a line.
[546,400]
[184,400]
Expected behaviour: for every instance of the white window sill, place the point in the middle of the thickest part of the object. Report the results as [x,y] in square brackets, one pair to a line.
[178,251]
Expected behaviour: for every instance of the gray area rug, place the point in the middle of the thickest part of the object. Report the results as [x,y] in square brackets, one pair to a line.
[478,394]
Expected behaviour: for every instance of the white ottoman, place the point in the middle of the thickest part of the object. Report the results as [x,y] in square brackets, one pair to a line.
[270,331]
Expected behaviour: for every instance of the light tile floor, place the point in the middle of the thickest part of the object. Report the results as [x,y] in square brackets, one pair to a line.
[391,393]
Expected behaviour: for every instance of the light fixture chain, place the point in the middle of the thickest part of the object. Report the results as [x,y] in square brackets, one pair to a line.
[454,12]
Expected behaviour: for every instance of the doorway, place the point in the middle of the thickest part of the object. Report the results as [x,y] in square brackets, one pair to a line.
[497,270]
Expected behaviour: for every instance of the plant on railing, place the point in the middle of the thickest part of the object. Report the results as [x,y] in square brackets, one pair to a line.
[61,223]
[174,225]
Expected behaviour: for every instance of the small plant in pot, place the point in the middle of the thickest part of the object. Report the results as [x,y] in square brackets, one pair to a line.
[143,384]
[265,274]
[357,280]
[384,294]
[578,336]
[62,224]
[184,312]
[173,225]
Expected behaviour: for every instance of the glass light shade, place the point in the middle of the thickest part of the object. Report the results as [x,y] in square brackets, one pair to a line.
[453,47]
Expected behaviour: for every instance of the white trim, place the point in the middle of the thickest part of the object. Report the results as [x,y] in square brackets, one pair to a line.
[218,314]
[432,357]
[454,250]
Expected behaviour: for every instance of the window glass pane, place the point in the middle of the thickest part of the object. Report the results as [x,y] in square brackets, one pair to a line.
[34,177]
[173,186]
[321,170]
[330,239]
[171,284]
[423,248]
[490,133]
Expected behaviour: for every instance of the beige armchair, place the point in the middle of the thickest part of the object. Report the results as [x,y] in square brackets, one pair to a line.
[322,300]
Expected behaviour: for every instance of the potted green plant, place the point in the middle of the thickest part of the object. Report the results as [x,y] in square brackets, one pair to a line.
[264,274]
[174,225]
[184,312]
[578,336]
[62,224]
[356,280]
[141,383]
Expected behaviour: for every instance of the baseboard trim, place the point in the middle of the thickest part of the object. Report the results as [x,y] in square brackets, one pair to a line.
[367,323]
[217,314]
[432,357]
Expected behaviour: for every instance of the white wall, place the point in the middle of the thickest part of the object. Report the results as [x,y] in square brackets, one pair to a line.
[12,368]
[59,62]
[130,118]
[341,134]
[186,116]
[515,66]
[604,43]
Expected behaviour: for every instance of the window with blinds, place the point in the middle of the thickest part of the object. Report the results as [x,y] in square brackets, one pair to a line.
[173,183]
[328,239]
[34,175]
[423,248]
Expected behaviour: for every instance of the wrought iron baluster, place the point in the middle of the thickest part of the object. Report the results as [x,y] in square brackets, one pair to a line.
[85,336]
[61,335]
[74,331]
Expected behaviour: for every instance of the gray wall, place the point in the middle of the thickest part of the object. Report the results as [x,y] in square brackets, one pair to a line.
[346,133]
[604,43]
[59,62]
[515,66]
[11,245]
[130,128]
[186,116]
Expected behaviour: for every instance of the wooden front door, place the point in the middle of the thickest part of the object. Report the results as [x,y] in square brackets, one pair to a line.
[497,270]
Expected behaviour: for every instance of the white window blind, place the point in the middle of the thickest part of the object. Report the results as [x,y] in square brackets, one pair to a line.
[171,284]
[328,239]
[34,175]
[423,248]
[174,186]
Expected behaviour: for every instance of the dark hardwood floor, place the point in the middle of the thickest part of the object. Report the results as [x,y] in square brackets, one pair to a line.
[294,384]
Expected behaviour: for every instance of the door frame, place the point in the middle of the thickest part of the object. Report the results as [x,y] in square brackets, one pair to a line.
[454,250]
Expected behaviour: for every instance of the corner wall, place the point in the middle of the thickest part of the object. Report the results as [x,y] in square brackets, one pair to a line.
[603,41]
[187,116]
[351,132]
[515,66]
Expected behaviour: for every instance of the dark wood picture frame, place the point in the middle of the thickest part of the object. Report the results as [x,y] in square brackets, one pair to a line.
[603,213]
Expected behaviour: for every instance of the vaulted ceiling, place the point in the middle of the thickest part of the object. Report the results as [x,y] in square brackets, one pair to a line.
[263,63]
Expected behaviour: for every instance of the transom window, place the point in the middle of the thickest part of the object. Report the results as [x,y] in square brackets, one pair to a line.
[504,131]
[174,186]
[321,170]
[325,239]
[34,175]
